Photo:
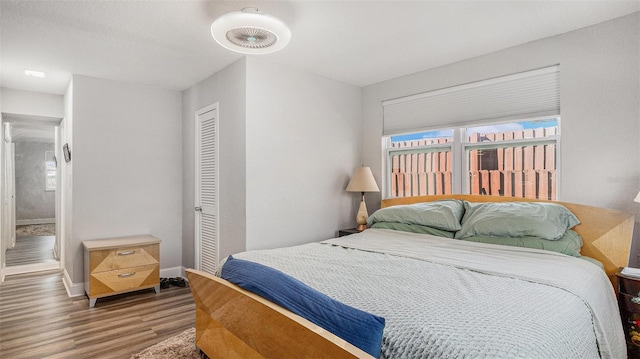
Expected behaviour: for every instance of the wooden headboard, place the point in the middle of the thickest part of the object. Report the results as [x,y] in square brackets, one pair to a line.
[606,233]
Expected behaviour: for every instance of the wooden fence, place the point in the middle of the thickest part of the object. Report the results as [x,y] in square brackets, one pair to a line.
[527,171]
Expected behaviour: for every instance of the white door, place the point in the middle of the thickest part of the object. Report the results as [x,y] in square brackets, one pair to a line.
[11,171]
[58,209]
[9,193]
[206,206]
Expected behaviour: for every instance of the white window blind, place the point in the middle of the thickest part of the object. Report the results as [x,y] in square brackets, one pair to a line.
[528,94]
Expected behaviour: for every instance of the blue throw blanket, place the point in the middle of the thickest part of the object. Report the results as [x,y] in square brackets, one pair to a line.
[362,329]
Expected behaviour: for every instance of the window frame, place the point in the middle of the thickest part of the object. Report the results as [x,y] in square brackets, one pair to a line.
[48,169]
[459,147]
[435,147]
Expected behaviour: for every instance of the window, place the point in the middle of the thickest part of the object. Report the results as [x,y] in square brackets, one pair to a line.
[420,164]
[500,138]
[50,171]
[515,159]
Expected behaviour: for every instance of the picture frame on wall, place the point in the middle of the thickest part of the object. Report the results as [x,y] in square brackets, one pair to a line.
[67,153]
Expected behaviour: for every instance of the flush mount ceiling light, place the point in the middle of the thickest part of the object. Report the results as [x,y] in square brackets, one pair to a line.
[34,73]
[250,32]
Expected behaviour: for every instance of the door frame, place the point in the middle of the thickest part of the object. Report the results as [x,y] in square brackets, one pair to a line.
[197,171]
[2,214]
[8,233]
[59,208]
[60,192]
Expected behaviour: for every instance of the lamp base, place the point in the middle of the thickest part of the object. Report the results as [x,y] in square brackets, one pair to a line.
[361,217]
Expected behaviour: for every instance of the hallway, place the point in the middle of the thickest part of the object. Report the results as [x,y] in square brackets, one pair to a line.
[31,250]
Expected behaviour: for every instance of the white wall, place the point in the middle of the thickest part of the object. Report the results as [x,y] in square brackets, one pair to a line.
[599,90]
[126,155]
[33,201]
[227,87]
[302,146]
[32,103]
[3,236]
[288,144]
[69,248]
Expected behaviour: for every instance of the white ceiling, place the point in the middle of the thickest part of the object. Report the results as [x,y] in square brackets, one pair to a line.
[168,43]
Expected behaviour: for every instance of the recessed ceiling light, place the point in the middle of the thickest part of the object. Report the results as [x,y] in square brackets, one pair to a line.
[34,73]
[250,32]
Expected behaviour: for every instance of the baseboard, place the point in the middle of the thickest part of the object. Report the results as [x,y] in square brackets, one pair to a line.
[23,222]
[172,272]
[29,268]
[73,289]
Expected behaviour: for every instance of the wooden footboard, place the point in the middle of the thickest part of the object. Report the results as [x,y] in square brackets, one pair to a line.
[234,323]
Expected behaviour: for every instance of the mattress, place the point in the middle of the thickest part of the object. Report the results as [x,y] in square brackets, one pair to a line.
[446,298]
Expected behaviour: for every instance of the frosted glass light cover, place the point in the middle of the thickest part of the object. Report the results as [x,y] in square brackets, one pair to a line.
[264,33]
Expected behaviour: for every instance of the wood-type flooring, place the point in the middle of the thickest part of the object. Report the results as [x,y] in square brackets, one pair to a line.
[31,250]
[39,320]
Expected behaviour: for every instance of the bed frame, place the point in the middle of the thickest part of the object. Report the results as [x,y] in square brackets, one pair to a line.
[234,323]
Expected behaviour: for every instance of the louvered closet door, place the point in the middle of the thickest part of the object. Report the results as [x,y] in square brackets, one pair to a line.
[207,189]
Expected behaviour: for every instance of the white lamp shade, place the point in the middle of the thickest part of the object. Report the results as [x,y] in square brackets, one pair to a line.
[362,181]
[637,199]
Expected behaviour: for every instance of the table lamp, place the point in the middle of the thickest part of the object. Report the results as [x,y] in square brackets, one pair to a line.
[362,181]
[637,199]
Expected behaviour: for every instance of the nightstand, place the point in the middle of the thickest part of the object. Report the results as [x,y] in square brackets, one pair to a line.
[628,294]
[119,265]
[348,231]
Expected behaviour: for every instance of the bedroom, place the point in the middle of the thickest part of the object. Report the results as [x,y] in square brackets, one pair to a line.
[154,131]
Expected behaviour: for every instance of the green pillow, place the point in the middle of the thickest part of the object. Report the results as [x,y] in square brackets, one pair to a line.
[570,243]
[516,219]
[413,228]
[443,215]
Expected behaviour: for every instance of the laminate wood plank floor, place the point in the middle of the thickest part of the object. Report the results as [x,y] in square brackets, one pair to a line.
[31,250]
[39,320]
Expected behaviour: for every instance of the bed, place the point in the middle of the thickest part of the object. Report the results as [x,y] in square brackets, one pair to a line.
[440,297]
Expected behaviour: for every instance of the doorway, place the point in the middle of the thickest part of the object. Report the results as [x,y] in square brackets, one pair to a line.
[30,202]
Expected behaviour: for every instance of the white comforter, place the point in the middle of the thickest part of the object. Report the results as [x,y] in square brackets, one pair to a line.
[445,298]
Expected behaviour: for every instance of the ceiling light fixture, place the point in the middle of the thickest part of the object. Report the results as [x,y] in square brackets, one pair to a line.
[250,32]
[34,73]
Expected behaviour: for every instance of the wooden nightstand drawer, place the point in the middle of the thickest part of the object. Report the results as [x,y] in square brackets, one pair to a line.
[631,287]
[126,257]
[628,289]
[122,280]
[629,303]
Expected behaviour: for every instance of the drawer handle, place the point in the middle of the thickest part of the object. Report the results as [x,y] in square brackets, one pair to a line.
[126,253]
[123,275]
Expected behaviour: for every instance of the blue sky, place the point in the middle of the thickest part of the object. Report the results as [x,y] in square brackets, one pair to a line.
[548,122]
